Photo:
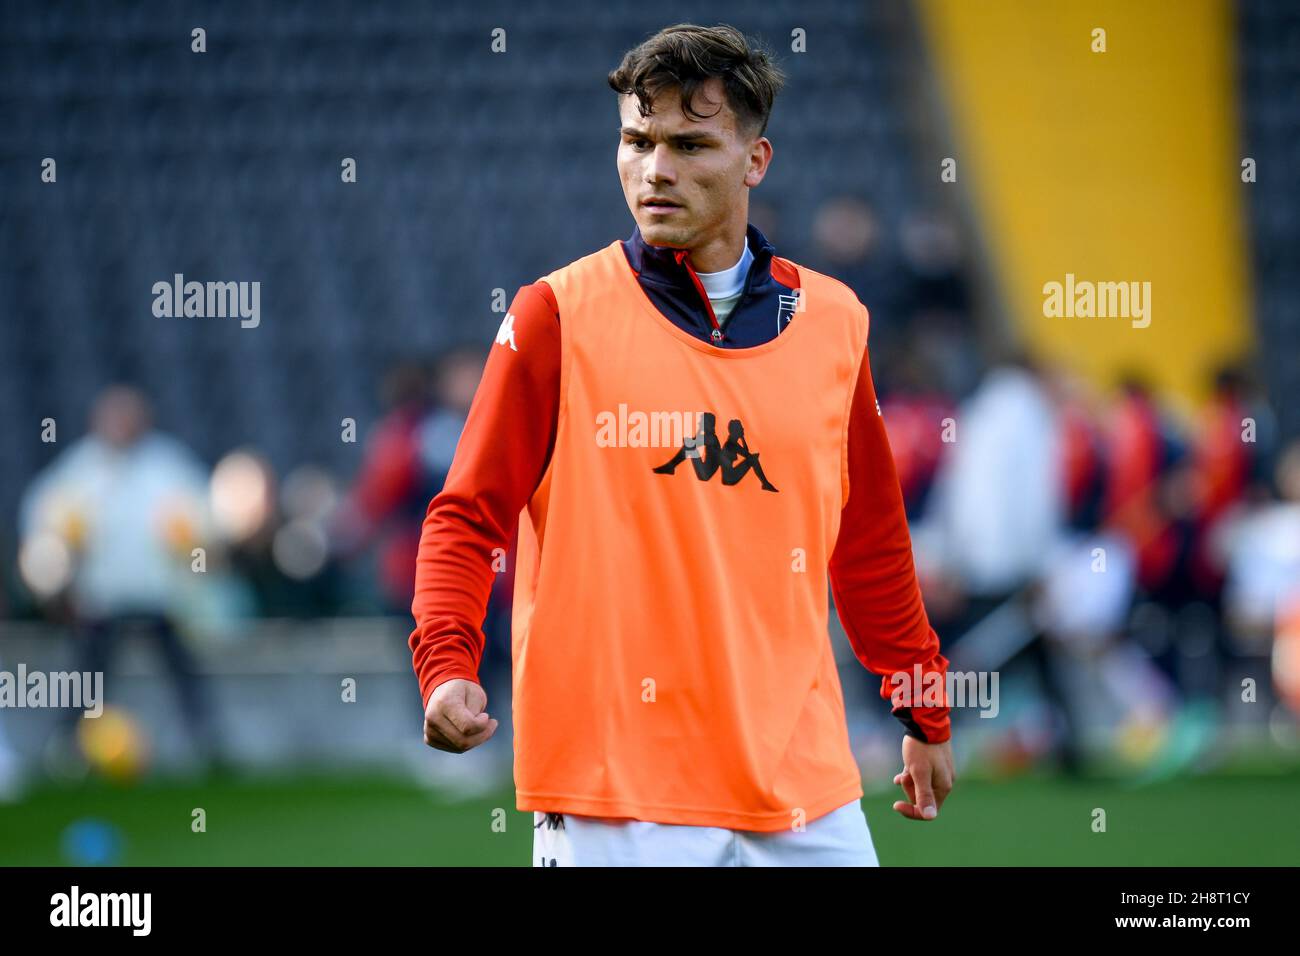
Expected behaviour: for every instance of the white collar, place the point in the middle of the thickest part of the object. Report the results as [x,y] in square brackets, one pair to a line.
[728,282]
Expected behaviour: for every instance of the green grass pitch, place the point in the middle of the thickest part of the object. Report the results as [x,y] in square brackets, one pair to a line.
[1226,819]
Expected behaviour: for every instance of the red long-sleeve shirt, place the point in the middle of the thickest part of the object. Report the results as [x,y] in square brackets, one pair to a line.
[504,451]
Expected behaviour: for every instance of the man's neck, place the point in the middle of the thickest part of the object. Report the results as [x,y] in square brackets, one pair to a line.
[717,255]
[729,281]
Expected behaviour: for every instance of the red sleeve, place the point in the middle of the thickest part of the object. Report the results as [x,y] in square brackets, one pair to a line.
[873,577]
[501,456]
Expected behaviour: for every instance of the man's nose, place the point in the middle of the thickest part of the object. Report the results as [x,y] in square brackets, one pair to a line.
[658,167]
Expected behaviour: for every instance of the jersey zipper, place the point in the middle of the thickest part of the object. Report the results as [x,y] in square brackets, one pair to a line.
[682,256]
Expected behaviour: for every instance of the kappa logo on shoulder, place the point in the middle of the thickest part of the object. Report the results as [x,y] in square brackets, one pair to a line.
[506,333]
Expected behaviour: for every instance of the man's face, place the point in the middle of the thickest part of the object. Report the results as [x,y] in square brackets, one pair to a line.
[702,167]
[120,416]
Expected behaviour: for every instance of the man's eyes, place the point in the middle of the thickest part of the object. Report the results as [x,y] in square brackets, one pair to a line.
[688,146]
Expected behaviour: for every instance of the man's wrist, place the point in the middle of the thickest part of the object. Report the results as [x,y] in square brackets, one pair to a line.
[928,731]
[437,681]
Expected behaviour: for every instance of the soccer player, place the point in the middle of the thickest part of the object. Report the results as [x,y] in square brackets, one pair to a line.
[675,693]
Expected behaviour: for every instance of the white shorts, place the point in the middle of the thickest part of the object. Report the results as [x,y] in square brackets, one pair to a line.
[838,838]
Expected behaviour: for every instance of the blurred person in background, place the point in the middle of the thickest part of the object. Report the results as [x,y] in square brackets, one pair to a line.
[1081,610]
[128,504]
[1230,454]
[997,516]
[914,414]
[1172,500]
[997,503]
[848,242]
[934,260]
[1082,604]
[1138,448]
[391,491]
[1178,589]
[1262,592]
[1082,451]
[1151,500]
[938,300]
[1222,451]
[1177,624]
[456,377]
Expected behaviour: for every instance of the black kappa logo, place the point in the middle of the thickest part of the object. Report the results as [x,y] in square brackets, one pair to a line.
[732,458]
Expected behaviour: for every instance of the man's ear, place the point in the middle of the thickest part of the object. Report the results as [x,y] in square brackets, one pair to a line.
[760,157]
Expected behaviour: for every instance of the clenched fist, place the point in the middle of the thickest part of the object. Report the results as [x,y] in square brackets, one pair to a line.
[456,719]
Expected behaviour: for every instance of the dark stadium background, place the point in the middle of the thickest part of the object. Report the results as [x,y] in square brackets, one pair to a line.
[479,171]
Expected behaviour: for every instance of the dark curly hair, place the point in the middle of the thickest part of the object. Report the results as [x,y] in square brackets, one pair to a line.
[686,55]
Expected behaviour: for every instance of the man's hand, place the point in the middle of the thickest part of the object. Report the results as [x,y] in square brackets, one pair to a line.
[927,778]
[455,719]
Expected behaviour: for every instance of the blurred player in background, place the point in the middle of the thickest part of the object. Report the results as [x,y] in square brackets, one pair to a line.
[126,505]
[675,695]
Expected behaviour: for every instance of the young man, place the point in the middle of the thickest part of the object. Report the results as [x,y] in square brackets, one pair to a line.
[675,693]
